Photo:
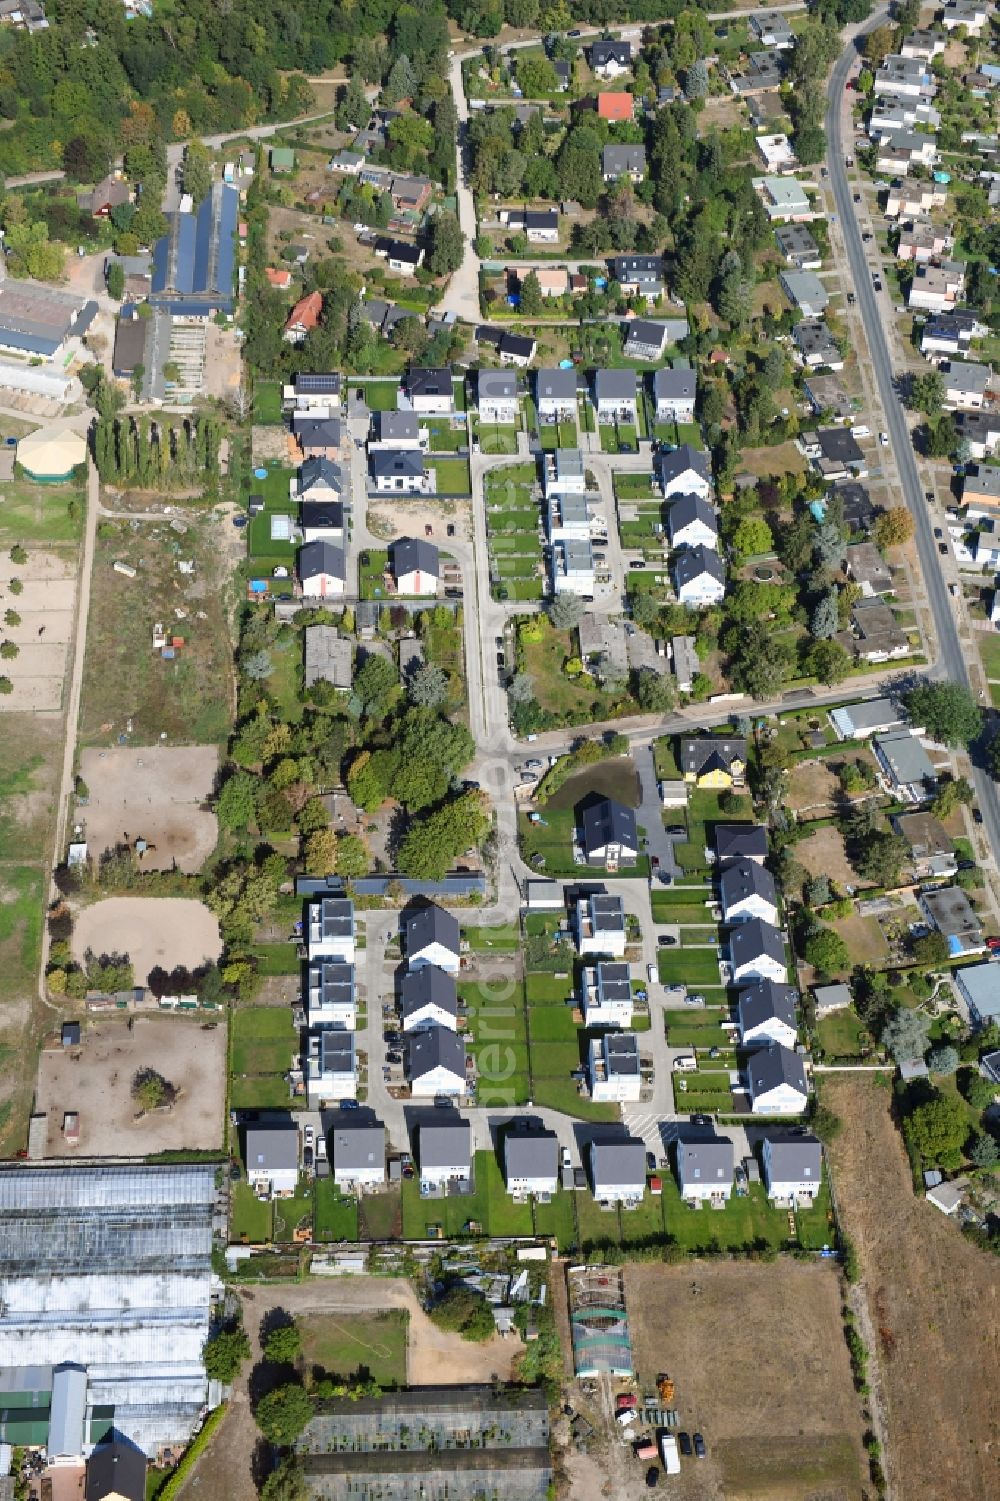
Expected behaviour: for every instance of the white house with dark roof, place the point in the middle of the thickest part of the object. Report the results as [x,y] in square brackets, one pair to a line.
[555,395]
[531,1162]
[644,339]
[640,274]
[692,522]
[740,841]
[606,995]
[271,1151]
[322,521]
[573,569]
[674,393]
[331,994]
[357,1153]
[684,471]
[776,1082]
[610,58]
[430,391]
[318,479]
[615,396]
[757,952]
[416,566]
[435,1063]
[428,998]
[330,930]
[600,925]
[619,162]
[331,1069]
[322,570]
[618,1170]
[766,1012]
[747,891]
[432,936]
[608,834]
[613,1067]
[699,577]
[704,1168]
[966,384]
[444,1154]
[397,430]
[568,518]
[399,471]
[496,396]
[793,1169]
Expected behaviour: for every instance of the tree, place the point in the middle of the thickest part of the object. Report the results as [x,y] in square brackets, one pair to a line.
[353,857]
[116,281]
[464,1311]
[829,662]
[877,43]
[827,952]
[565,611]
[352,106]
[321,852]
[18,554]
[531,295]
[536,77]
[983,1151]
[257,666]
[283,1344]
[953,792]
[237,801]
[434,840]
[937,1131]
[286,1483]
[809,144]
[947,711]
[653,692]
[401,82]
[930,949]
[375,686]
[521,688]
[880,858]
[11,617]
[696,79]
[9,650]
[825,617]
[6,686]
[893,528]
[927,393]
[943,1060]
[941,437]
[905,1034]
[283,1413]
[197,171]
[447,244]
[750,538]
[428,687]
[224,1353]
[151,1091]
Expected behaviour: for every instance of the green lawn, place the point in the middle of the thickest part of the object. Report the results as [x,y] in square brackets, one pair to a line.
[558,1218]
[335,1216]
[485,940]
[444,437]
[496,1034]
[291,1214]
[743,1222]
[267,402]
[33,513]
[688,967]
[249,1218]
[379,395]
[360,1341]
[562,1094]
[452,477]
[263,1040]
[371,575]
[551,1024]
[264,552]
[489,1206]
[543,988]
[260,1092]
[553,841]
[989,650]
[677,913]
[496,438]
[276,958]
[635,486]
[840,1034]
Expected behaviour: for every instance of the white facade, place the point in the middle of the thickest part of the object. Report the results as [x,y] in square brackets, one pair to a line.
[330,929]
[439,1080]
[793,1170]
[323,586]
[428,1015]
[606,998]
[700,590]
[417,583]
[600,926]
[614,1068]
[435,953]
[695,533]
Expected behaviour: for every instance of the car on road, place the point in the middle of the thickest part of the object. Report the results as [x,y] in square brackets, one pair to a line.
[929,496]
[575,32]
[851,299]
[977,816]
[501,659]
[953,590]
[857,197]
[699,1446]
[651,973]
[684,1442]
[883,439]
[637,563]
[450,529]
[943,549]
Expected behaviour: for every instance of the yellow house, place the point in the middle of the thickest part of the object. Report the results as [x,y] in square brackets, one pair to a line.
[713,762]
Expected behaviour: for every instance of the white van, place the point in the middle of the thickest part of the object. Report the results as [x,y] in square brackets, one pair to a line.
[685,1063]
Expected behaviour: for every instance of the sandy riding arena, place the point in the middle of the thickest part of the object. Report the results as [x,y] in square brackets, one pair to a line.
[157,793]
[164,931]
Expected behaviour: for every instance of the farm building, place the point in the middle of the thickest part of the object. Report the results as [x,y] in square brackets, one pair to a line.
[52,453]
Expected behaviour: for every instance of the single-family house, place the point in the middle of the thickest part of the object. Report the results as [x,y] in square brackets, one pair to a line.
[331,1066]
[330,932]
[981,431]
[766,1011]
[531,1162]
[618,1170]
[278,277]
[444,1154]
[967,385]
[641,275]
[906,766]
[553,281]
[674,393]
[747,891]
[568,518]
[644,339]
[704,1168]
[322,570]
[517,350]
[281,159]
[428,998]
[608,834]
[805,291]
[347,162]
[903,77]
[925,45]
[776,1082]
[835,452]
[784,198]
[397,430]
[948,909]
[573,569]
[303,318]
[979,987]
[329,657]
[432,936]
[318,437]
[615,107]
[613,1070]
[496,396]
[872,716]
[816,345]
[435,1062]
[405,257]
[771,28]
[981,488]
[319,479]
[715,761]
[830,998]
[856,504]
[891,115]
[541,226]
[555,395]
[111,192]
[907,199]
[430,392]
[776,154]
[937,288]
[416,566]
[322,521]
[116,1469]
[865,565]
[970,15]
[757,952]
[609,59]
[798,247]
[684,471]
[699,577]
[564,472]
[793,1169]
[600,925]
[357,1153]
[740,841]
[877,635]
[614,395]
[922,241]
[399,471]
[899,150]
[618,162]
[693,522]
[606,995]
[932,850]
[271,1150]
[331,994]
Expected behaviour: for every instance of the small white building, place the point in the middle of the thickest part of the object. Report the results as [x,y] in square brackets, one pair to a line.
[531,1162]
[606,995]
[776,1082]
[776,153]
[435,1063]
[793,1169]
[600,925]
[613,1071]
[272,1157]
[674,393]
[432,936]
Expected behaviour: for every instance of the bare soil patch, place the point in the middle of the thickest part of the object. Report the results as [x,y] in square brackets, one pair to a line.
[96,1079]
[762,1370]
[864,939]
[823,854]
[164,931]
[935,1301]
[812,786]
[45,606]
[157,793]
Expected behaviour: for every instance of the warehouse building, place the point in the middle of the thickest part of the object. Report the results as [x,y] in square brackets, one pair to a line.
[41,323]
[194,263]
[105,1288]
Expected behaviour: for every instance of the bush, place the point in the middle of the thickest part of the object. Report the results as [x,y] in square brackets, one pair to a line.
[224,1353]
[283,1345]
[151,1090]
[463,1311]
[283,1413]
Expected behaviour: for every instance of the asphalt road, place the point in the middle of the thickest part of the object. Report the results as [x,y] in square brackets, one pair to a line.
[951,655]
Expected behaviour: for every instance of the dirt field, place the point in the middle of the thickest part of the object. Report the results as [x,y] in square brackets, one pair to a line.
[934,1300]
[823,854]
[154,793]
[812,786]
[762,1371]
[164,931]
[95,1079]
[45,606]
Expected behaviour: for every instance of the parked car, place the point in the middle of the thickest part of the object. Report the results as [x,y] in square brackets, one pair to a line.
[652,1478]
[699,1446]
[883,439]
[654,862]
[938,532]
[943,549]
[450,529]
[694,1000]
[650,1162]
[651,974]
[684,1441]
[666,940]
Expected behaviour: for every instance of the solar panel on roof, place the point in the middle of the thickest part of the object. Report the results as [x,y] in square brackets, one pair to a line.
[317,384]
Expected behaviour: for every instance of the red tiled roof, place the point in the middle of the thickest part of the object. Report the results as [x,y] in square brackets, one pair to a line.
[615,106]
[278,278]
[305,313]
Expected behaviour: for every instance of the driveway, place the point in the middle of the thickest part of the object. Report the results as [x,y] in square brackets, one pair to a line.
[650,813]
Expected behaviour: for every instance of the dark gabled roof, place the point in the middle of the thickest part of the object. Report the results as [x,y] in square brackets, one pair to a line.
[644,332]
[618,1163]
[318,470]
[696,562]
[767,1000]
[628,267]
[436,382]
[840,444]
[531,1154]
[708,1161]
[742,879]
[396,461]
[322,557]
[740,841]
[770,1067]
[431,924]
[698,750]
[438,1047]
[409,254]
[395,425]
[322,513]
[487,335]
[607,51]
[609,822]
[316,432]
[445,1145]
[541,218]
[116,1468]
[517,344]
[679,382]
[681,459]
[561,385]
[756,939]
[414,555]
[792,1159]
[687,509]
[427,986]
